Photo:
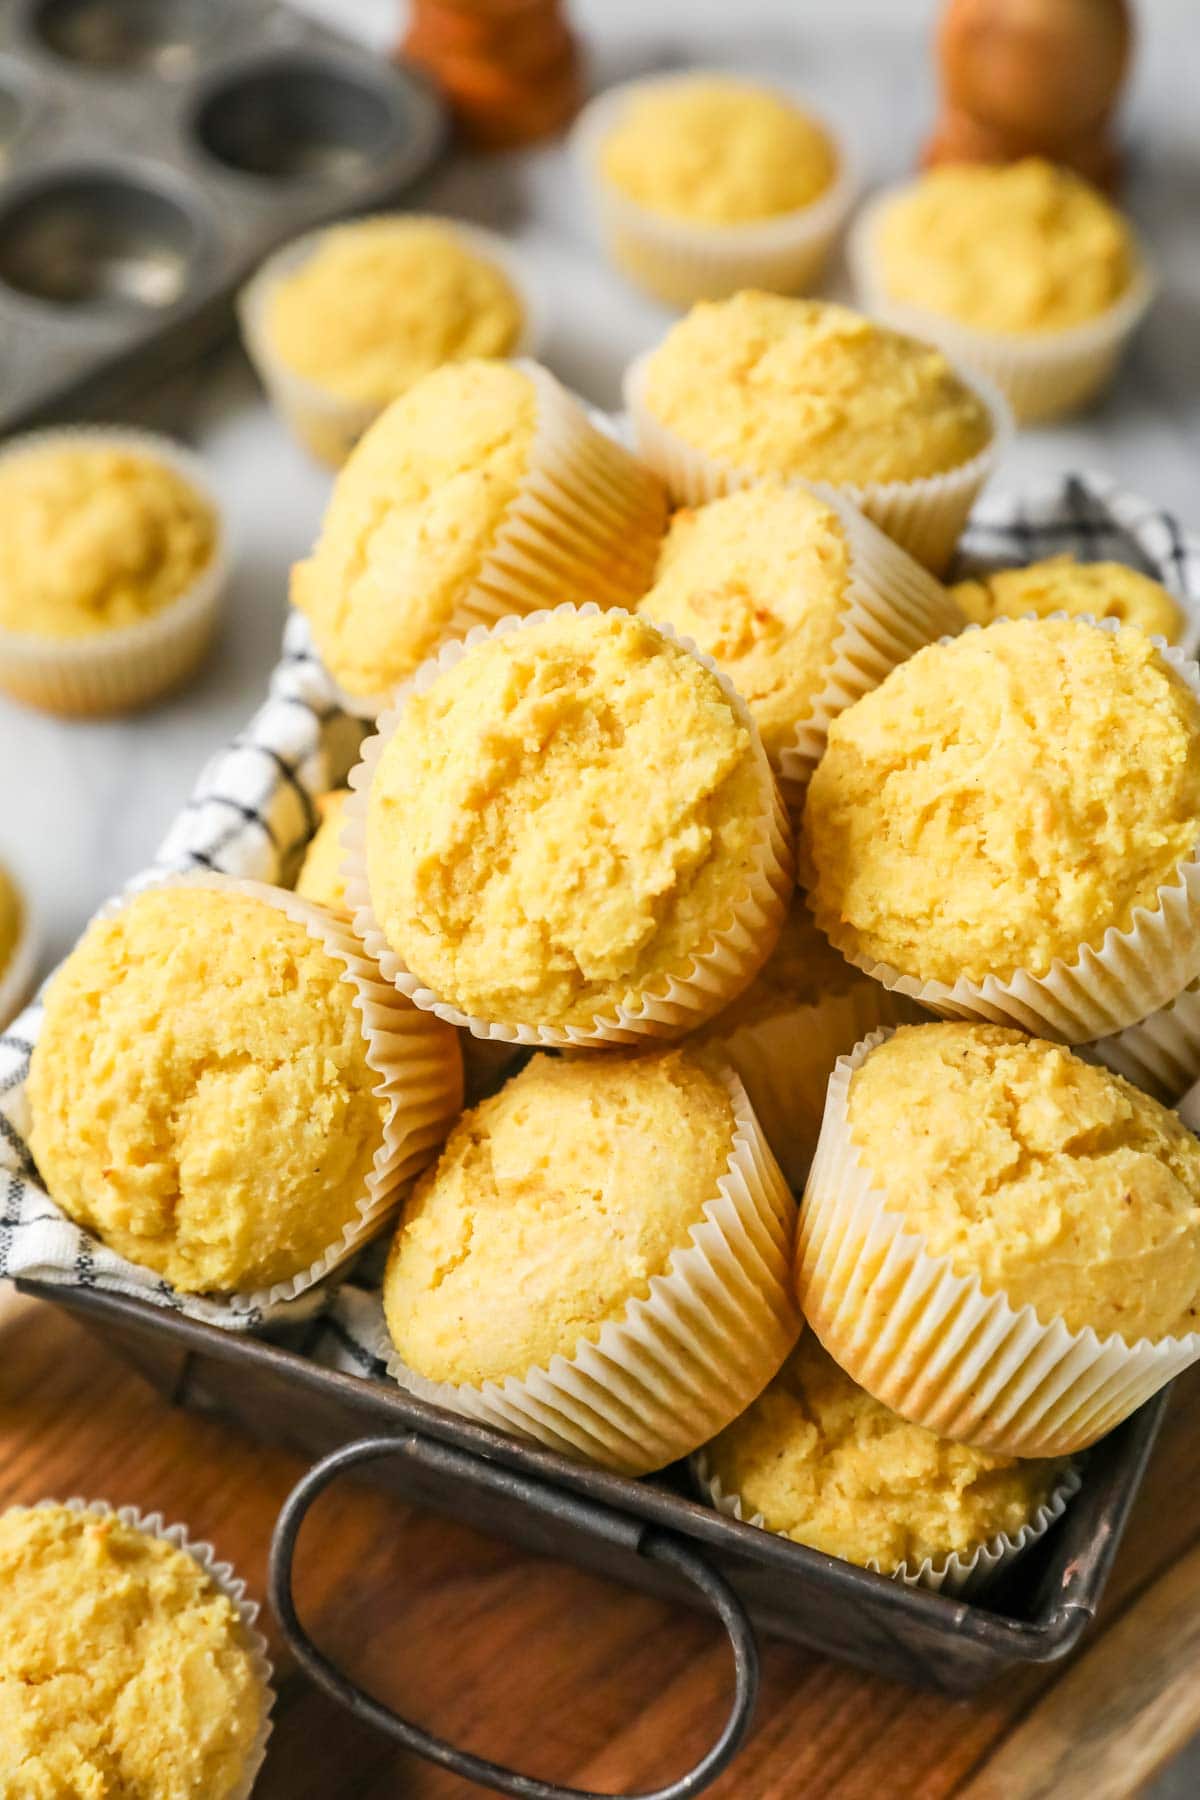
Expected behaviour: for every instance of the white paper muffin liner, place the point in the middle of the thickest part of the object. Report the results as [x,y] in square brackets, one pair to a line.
[959,1573]
[1160,1054]
[329,424]
[224,1578]
[894,607]
[116,671]
[675,1003]
[680,261]
[587,523]
[931,1344]
[17,975]
[1133,974]
[925,516]
[784,1061]
[418,1062]
[1042,375]
[684,1361]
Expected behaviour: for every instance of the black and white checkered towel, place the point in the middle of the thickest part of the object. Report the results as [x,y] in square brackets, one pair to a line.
[252,813]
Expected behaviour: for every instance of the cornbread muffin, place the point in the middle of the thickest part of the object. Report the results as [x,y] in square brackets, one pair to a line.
[759,580]
[1019,247]
[806,389]
[554,1204]
[123,1668]
[413,515]
[806,1007]
[565,818]
[714,150]
[224,1140]
[1001,800]
[382,301]
[11,920]
[1105,590]
[1058,1184]
[320,876]
[828,1466]
[94,537]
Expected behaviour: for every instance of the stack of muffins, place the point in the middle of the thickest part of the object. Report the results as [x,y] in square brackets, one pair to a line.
[619,700]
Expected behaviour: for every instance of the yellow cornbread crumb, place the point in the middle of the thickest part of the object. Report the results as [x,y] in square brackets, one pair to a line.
[320,876]
[1058,1184]
[1106,590]
[11,920]
[809,389]
[562,819]
[200,1092]
[553,1205]
[759,581]
[716,151]
[125,1674]
[382,301]
[94,537]
[413,515]
[1001,800]
[1018,247]
[831,1467]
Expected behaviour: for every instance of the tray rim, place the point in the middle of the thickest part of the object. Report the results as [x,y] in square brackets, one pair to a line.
[1010,1641]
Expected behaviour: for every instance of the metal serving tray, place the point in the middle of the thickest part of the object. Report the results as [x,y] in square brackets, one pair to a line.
[151,153]
[614,1525]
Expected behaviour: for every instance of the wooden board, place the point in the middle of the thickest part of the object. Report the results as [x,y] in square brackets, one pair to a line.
[540,1665]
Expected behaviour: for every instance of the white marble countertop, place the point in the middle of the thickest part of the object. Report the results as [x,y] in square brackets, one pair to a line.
[85,805]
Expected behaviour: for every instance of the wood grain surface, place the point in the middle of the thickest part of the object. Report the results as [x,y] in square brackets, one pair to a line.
[537,1664]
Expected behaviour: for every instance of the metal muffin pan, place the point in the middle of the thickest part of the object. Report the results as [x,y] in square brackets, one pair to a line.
[151,153]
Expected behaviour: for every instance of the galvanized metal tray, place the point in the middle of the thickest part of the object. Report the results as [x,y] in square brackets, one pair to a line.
[151,153]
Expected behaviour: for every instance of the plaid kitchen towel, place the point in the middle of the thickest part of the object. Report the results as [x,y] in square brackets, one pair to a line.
[252,813]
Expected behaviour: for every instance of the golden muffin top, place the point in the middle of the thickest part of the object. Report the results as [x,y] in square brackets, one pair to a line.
[94,536]
[382,301]
[809,389]
[1105,590]
[1000,800]
[759,580]
[562,819]
[123,1669]
[1023,247]
[414,513]
[1058,1184]
[554,1204]
[714,150]
[829,1466]
[320,878]
[200,1092]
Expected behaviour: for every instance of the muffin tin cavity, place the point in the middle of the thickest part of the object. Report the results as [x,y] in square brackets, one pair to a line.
[98,238]
[300,118]
[162,36]
[152,154]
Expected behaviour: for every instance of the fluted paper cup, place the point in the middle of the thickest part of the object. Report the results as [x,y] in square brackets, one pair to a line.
[894,607]
[115,671]
[329,424]
[931,1344]
[1133,974]
[1042,375]
[684,1361]
[671,1004]
[925,516]
[225,1581]
[1160,1054]
[587,522]
[416,1058]
[960,1573]
[682,261]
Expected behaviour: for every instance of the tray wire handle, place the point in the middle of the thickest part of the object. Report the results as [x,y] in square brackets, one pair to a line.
[619,1528]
